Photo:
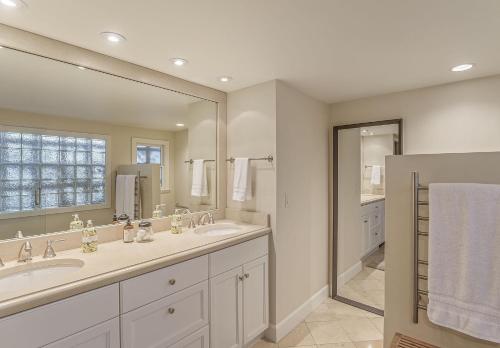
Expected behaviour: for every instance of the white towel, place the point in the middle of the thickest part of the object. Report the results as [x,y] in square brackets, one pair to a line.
[242,182]
[199,184]
[464,258]
[375,178]
[125,195]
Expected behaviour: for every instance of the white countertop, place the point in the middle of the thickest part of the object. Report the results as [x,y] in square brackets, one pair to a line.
[116,261]
[369,198]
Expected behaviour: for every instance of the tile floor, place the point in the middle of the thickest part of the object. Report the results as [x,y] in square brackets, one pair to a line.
[366,287]
[334,325]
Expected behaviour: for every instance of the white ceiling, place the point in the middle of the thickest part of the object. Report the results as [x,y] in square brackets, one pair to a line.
[43,86]
[333,50]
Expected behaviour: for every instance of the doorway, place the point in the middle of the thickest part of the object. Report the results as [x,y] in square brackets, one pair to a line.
[358,272]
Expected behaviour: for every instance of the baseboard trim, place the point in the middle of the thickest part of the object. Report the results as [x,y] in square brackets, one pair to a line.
[343,278]
[276,332]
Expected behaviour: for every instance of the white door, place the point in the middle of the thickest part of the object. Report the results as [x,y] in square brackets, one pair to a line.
[255,298]
[105,335]
[226,309]
[199,339]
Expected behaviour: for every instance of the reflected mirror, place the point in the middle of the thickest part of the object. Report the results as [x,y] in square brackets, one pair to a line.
[359,215]
[77,141]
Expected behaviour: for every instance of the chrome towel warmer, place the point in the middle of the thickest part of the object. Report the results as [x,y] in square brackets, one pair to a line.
[418,218]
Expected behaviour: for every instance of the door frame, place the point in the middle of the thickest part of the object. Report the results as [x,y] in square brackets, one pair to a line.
[335,205]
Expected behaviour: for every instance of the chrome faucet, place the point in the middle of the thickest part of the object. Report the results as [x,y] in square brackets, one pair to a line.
[25,252]
[188,212]
[203,217]
[49,250]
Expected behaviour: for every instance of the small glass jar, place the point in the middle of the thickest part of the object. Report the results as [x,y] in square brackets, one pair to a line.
[145,232]
[123,218]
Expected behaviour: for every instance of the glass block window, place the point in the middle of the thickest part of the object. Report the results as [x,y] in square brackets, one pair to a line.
[42,171]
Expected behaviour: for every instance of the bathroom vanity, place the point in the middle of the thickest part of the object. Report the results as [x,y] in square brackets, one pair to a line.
[202,291]
[372,222]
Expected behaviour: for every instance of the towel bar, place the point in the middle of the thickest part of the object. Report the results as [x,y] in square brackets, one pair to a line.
[417,218]
[269,158]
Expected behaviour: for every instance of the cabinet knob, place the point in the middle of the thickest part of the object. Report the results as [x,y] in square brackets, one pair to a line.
[171,281]
[171,310]
[241,278]
[365,221]
[247,275]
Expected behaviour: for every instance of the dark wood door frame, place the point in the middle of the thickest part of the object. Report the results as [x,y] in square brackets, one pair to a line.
[336,129]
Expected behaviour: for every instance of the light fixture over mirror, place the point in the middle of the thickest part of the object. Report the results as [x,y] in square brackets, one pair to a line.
[72,149]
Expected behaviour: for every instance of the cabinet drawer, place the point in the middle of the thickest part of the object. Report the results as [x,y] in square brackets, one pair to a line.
[200,339]
[229,258]
[51,322]
[166,321]
[149,287]
[105,335]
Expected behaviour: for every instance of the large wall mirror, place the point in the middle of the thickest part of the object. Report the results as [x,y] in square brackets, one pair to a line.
[359,208]
[74,140]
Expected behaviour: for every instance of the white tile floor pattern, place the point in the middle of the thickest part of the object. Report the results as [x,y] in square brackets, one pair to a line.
[334,325]
[366,287]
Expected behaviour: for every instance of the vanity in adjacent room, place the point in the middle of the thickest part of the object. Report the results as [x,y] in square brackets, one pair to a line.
[154,258]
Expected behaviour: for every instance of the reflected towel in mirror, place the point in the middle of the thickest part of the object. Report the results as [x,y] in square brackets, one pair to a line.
[199,184]
[125,195]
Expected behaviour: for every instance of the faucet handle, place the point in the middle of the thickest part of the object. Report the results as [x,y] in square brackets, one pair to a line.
[211,218]
[49,250]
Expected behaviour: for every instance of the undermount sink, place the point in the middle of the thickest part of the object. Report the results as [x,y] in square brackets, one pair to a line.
[220,229]
[24,275]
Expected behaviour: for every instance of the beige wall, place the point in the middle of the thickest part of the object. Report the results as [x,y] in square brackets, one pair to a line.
[468,167]
[350,236]
[251,132]
[457,117]
[273,118]
[120,153]
[302,198]
[182,170]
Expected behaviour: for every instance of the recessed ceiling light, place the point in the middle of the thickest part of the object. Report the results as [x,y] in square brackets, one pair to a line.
[82,68]
[371,133]
[179,124]
[113,37]
[462,67]
[225,78]
[178,61]
[364,131]
[12,3]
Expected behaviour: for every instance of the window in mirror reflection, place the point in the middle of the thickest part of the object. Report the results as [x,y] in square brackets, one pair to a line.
[40,170]
[149,151]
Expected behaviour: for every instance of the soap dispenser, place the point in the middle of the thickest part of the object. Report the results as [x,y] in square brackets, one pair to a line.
[128,232]
[176,222]
[157,213]
[89,238]
[76,224]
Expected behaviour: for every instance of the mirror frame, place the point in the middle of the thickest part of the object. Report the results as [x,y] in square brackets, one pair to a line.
[335,207]
[30,43]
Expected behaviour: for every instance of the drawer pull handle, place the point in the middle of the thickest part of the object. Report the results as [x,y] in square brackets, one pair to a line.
[247,275]
[241,278]
[171,281]
[171,310]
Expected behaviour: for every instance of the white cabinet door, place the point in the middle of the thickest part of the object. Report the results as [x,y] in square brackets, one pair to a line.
[226,314]
[255,299]
[166,321]
[105,335]
[199,339]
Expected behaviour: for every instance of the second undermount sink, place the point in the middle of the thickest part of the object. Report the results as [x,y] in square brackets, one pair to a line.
[28,274]
[219,229]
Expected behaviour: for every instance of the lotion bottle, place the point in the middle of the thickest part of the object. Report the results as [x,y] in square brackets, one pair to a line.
[89,238]
[76,224]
